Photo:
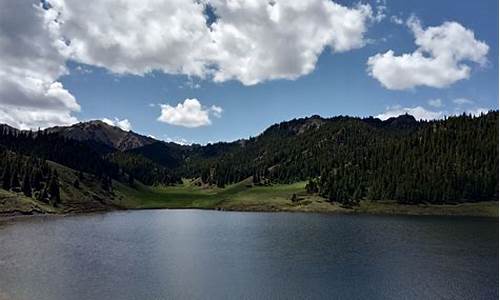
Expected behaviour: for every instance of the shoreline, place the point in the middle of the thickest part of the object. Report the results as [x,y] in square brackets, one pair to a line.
[394,210]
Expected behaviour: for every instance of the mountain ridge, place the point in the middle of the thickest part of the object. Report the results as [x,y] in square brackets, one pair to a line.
[119,139]
[99,131]
[345,159]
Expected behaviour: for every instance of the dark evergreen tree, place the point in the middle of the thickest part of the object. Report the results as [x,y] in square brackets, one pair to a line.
[6,177]
[26,187]
[53,189]
[14,182]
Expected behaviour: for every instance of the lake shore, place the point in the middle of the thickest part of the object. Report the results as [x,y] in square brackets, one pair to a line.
[238,197]
[488,209]
[480,209]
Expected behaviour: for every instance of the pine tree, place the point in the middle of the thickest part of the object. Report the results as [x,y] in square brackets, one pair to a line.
[36,181]
[26,187]
[6,177]
[14,182]
[53,189]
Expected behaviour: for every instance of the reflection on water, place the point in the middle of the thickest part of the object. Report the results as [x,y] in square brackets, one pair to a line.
[191,254]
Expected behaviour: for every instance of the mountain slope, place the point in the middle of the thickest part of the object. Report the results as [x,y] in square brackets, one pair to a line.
[346,159]
[349,159]
[102,133]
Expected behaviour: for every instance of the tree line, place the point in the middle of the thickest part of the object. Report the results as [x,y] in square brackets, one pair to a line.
[86,157]
[348,159]
[344,159]
[31,176]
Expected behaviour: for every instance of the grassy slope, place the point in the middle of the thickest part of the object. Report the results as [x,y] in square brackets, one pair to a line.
[242,196]
[87,198]
[245,197]
[15,203]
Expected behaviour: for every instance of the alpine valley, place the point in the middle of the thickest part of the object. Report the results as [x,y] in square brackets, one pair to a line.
[339,164]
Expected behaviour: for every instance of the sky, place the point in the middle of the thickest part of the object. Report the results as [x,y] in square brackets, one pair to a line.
[214,70]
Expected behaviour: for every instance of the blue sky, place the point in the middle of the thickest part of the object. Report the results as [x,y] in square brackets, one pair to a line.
[339,84]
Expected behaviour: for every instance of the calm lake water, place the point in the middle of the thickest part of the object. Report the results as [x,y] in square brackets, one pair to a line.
[193,254]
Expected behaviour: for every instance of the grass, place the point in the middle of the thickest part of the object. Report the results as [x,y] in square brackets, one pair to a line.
[244,196]
[185,195]
[12,203]
[188,195]
[480,209]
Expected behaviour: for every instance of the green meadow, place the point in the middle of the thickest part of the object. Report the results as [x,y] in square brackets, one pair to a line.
[244,196]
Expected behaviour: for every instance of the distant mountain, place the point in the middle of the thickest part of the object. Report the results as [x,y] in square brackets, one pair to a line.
[170,155]
[402,123]
[349,158]
[345,158]
[102,133]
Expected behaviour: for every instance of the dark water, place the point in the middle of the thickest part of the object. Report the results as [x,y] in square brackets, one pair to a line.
[191,254]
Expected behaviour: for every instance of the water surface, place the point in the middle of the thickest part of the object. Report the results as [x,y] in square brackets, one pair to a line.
[193,254]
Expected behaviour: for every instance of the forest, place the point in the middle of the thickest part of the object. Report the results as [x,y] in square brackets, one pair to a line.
[344,159]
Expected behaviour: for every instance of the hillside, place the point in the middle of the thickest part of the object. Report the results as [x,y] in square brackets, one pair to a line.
[87,196]
[349,159]
[343,160]
[102,133]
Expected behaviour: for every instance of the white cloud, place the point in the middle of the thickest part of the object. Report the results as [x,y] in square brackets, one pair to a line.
[122,124]
[468,106]
[251,41]
[380,10]
[439,60]
[477,111]
[263,40]
[418,112]
[189,114]
[421,113]
[178,140]
[397,20]
[135,37]
[83,70]
[435,102]
[216,110]
[33,118]
[463,101]
[31,61]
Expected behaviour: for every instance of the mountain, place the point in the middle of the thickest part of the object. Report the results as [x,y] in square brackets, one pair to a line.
[345,159]
[104,134]
[170,155]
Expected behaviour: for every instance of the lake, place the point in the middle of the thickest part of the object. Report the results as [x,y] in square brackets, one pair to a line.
[196,254]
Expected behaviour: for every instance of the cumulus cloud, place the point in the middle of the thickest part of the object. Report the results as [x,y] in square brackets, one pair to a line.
[418,112]
[439,61]
[249,41]
[122,124]
[189,113]
[32,59]
[263,40]
[435,102]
